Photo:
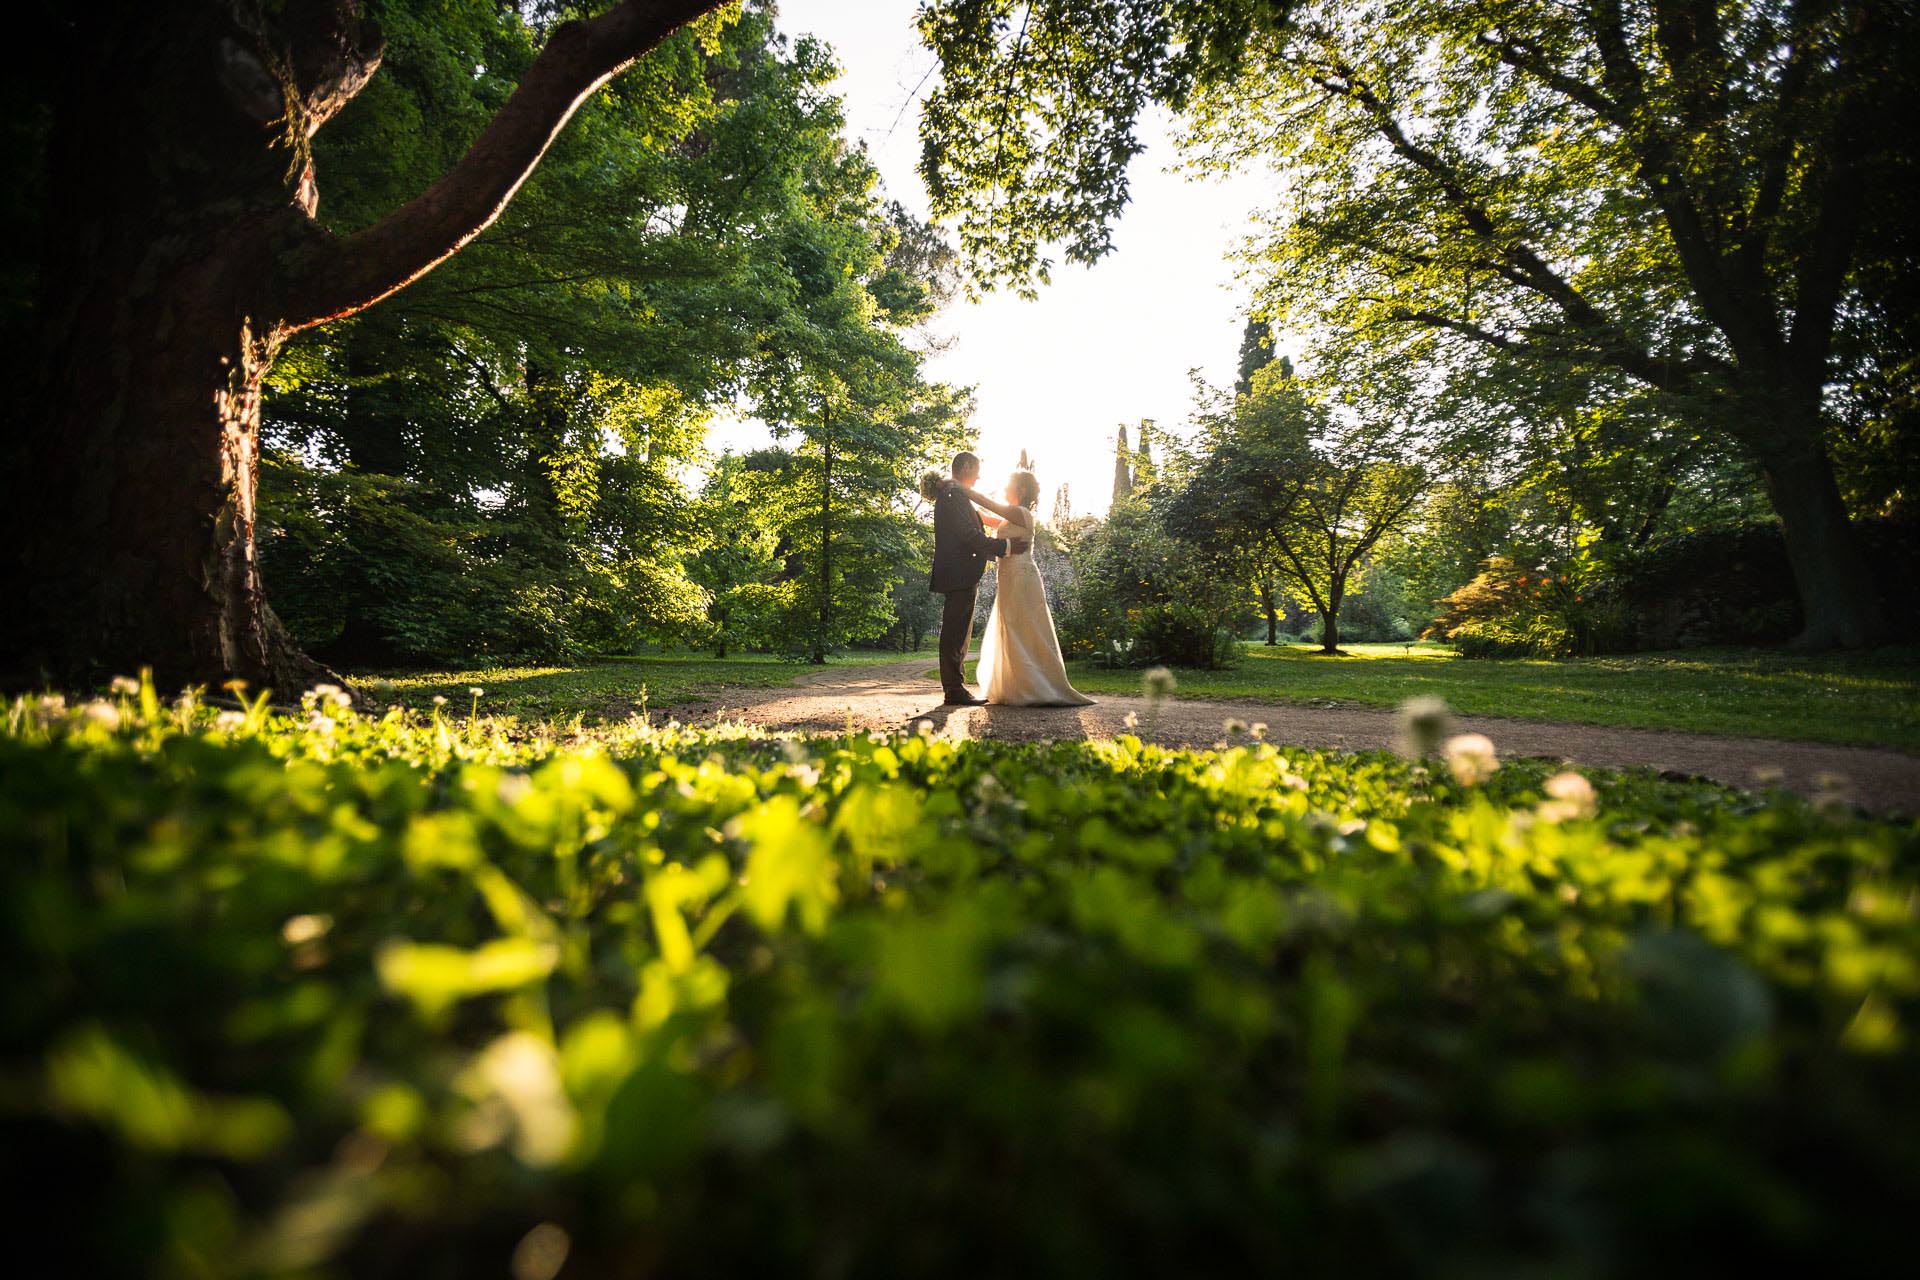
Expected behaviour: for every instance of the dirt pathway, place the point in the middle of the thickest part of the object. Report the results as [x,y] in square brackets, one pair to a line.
[895,695]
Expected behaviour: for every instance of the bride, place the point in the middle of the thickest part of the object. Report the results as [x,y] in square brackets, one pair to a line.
[1020,662]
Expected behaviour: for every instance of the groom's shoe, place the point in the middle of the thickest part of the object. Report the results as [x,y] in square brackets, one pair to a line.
[963,699]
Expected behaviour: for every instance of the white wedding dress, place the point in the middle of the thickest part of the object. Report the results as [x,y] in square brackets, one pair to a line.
[1020,663]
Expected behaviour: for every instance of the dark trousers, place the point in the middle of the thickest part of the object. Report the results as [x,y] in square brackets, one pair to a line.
[956,628]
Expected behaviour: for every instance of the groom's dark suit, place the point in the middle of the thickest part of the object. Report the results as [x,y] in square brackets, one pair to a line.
[960,551]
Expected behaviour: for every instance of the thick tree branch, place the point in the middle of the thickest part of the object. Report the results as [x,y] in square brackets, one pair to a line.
[1840,185]
[1755,226]
[1740,305]
[330,278]
[1521,263]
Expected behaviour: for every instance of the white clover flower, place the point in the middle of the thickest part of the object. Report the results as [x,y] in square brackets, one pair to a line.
[52,705]
[1572,796]
[102,713]
[1259,730]
[307,928]
[924,728]
[1131,720]
[1158,683]
[439,699]
[1471,758]
[1235,727]
[126,685]
[321,723]
[1423,727]
[477,691]
[229,722]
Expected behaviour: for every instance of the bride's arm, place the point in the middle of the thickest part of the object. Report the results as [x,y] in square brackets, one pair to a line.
[1010,515]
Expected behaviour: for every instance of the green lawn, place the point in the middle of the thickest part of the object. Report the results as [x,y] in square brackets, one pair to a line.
[600,688]
[1868,699]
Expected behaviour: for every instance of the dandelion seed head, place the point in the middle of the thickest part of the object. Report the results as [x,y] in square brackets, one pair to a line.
[1471,758]
[1572,797]
[1423,726]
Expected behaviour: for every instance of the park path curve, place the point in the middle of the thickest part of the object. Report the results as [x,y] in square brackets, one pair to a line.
[895,695]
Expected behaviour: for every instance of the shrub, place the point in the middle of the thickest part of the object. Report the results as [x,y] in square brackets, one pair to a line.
[1508,611]
[1735,586]
[1141,596]
[398,997]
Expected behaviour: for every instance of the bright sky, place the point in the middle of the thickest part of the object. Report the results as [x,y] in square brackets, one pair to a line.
[1100,346]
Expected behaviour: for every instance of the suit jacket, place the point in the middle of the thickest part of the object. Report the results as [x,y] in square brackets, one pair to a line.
[960,542]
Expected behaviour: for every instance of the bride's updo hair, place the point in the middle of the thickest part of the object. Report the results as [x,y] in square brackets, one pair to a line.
[1026,487]
[931,484]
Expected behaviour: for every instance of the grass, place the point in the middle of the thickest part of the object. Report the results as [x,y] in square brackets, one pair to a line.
[1866,699]
[600,688]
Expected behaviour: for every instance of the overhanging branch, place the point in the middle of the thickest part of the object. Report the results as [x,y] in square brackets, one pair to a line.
[328,277]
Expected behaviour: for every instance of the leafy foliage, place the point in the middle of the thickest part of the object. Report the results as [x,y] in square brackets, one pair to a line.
[1142,594]
[493,463]
[338,995]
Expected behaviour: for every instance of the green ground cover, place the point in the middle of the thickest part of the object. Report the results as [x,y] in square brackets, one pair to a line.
[600,689]
[1869,699]
[418,996]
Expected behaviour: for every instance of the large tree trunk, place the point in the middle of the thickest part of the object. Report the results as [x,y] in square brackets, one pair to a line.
[1273,614]
[1837,591]
[182,252]
[136,500]
[141,487]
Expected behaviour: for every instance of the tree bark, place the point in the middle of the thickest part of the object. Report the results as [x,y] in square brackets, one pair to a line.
[1273,616]
[1837,592]
[182,252]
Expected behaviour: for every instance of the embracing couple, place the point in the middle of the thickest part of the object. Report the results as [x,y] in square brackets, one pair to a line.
[1020,661]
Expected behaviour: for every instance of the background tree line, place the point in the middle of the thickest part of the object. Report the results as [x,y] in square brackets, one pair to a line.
[1636,269]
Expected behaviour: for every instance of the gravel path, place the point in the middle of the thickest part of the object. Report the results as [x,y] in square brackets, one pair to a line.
[894,696]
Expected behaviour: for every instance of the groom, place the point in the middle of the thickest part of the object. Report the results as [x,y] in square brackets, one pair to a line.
[960,550]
